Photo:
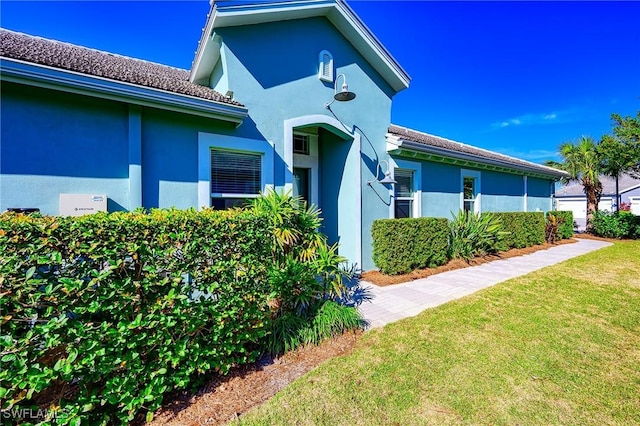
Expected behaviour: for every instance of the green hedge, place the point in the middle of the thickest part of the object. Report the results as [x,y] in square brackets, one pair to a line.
[616,225]
[111,311]
[524,229]
[565,229]
[401,245]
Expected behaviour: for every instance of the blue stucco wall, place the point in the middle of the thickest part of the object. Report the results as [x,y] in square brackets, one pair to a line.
[333,154]
[277,80]
[440,189]
[502,192]
[540,191]
[54,143]
[170,157]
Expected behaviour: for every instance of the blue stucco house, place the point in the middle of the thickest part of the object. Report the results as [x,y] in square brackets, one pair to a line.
[81,121]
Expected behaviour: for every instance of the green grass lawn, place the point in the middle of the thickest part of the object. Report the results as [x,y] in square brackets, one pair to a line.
[559,346]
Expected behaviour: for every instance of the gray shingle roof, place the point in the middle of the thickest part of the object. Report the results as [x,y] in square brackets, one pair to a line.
[457,147]
[93,62]
[625,183]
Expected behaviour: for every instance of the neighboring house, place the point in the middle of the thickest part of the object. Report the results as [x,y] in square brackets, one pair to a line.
[571,197]
[248,117]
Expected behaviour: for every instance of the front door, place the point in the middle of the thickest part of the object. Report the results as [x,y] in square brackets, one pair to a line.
[301,183]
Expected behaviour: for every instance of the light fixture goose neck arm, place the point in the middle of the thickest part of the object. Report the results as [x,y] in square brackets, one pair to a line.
[387,179]
[344,95]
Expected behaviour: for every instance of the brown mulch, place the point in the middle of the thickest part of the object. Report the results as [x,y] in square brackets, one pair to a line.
[593,237]
[380,279]
[225,398]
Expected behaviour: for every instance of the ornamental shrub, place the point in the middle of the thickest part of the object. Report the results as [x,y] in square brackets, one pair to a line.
[621,224]
[326,319]
[472,234]
[523,229]
[401,245]
[104,314]
[117,309]
[565,223]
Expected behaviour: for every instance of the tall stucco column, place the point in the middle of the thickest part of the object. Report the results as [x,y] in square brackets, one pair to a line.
[135,157]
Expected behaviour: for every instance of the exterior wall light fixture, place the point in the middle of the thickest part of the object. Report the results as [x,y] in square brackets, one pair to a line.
[344,95]
[387,179]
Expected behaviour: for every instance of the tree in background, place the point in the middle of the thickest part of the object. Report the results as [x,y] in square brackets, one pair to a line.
[627,131]
[620,153]
[581,160]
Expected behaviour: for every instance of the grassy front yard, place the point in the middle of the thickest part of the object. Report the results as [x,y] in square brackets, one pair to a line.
[559,346]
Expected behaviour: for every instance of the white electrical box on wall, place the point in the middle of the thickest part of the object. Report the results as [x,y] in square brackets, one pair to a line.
[82,204]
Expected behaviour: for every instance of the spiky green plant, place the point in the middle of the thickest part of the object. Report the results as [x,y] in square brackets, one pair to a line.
[294,225]
[473,234]
[327,319]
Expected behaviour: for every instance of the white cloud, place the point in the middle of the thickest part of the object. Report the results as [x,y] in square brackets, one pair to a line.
[526,120]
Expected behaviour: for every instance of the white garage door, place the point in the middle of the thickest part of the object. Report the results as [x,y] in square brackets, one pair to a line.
[577,206]
[606,204]
[635,205]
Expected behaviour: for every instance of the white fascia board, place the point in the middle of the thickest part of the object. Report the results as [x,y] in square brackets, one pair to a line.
[369,46]
[207,57]
[22,72]
[337,11]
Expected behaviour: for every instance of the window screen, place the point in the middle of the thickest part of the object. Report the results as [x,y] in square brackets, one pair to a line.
[469,189]
[404,187]
[403,193]
[235,172]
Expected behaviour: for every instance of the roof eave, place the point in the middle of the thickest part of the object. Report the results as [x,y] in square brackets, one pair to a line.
[399,146]
[337,11]
[17,71]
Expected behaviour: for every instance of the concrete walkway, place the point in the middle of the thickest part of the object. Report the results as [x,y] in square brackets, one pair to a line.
[395,302]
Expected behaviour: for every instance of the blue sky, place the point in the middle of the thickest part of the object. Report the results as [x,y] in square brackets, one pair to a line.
[513,77]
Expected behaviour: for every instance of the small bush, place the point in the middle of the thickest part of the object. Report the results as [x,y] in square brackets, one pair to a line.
[523,229]
[621,224]
[552,228]
[402,245]
[326,319]
[565,223]
[473,234]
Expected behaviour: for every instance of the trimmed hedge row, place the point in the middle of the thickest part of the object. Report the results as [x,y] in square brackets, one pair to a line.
[524,229]
[402,245]
[104,314]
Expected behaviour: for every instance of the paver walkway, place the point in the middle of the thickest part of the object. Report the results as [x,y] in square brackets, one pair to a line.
[398,301]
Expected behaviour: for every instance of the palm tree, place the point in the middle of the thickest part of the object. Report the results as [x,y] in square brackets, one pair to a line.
[582,162]
[615,159]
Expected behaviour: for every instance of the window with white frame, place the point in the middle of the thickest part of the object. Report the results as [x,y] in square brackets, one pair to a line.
[470,190]
[325,67]
[235,176]
[404,193]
